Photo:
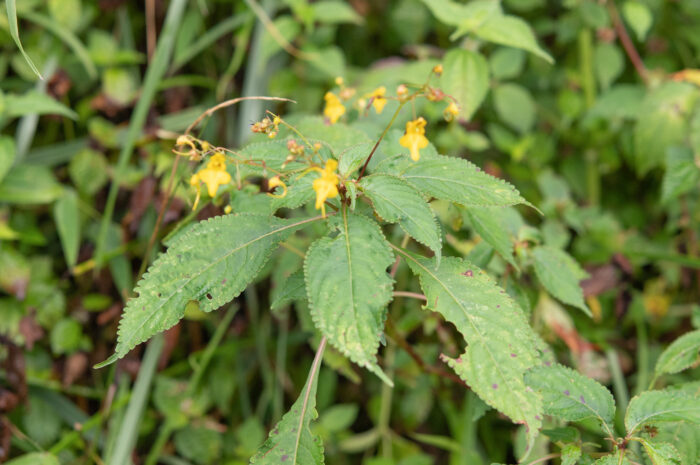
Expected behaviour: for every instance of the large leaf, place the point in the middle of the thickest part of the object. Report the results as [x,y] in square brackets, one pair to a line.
[205,266]
[465,17]
[67,217]
[291,442]
[682,173]
[515,106]
[680,355]
[466,78]
[572,396]
[501,346]
[397,201]
[349,288]
[661,453]
[457,180]
[560,275]
[26,184]
[653,407]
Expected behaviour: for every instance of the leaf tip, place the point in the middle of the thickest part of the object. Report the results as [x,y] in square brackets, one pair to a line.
[107,362]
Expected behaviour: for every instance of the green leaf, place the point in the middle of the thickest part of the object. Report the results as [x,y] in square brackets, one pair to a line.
[609,64]
[338,137]
[619,457]
[35,103]
[293,288]
[515,106]
[292,441]
[500,343]
[349,288]
[653,407]
[396,201]
[457,180]
[661,453]
[14,32]
[26,184]
[207,265]
[334,12]
[7,155]
[682,173]
[35,458]
[466,78]
[638,17]
[513,32]
[680,355]
[507,62]
[570,454]
[465,17]
[198,443]
[490,224]
[572,396]
[560,275]
[67,218]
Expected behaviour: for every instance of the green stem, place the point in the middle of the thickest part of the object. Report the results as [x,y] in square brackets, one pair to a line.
[385,405]
[619,387]
[386,129]
[585,47]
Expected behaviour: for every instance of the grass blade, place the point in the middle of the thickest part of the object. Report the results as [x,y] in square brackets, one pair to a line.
[14,32]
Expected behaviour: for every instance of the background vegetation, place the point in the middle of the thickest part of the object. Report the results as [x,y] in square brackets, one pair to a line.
[598,126]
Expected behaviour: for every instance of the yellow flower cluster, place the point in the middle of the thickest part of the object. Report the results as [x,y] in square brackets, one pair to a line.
[213,176]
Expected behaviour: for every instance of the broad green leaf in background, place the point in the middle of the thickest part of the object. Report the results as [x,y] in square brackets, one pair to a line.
[682,173]
[489,223]
[511,31]
[35,458]
[569,395]
[34,102]
[501,345]
[507,62]
[639,18]
[466,78]
[67,218]
[294,288]
[515,106]
[349,288]
[680,355]
[465,17]
[661,453]
[333,12]
[338,137]
[206,266]
[653,407]
[560,275]
[287,28]
[26,184]
[292,441]
[609,64]
[570,454]
[14,32]
[396,201]
[457,180]
[7,155]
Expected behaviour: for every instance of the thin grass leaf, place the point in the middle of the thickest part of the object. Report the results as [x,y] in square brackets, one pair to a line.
[14,32]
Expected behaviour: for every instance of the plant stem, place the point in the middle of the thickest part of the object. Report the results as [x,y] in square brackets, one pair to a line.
[619,386]
[627,42]
[374,149]
[385,404]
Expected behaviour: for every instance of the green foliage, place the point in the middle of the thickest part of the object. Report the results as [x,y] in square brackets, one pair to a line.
[466,78]
[560,275]
[680,355]
[655,407]
[348,288]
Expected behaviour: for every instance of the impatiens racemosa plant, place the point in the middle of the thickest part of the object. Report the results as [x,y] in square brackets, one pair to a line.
[346,195]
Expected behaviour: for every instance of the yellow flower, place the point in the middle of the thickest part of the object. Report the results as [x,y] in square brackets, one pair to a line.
[334,108]
[213,176]
[451,111]
[326,186]
[437,69]
[378,100]
[275,181]
[415,139]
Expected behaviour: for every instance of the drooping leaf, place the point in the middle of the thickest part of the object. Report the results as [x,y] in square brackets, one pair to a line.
[501,346]
[457,180]
[569,395]
[349,288]
[681,175]
[206,265]
[661,453]
[488,222]
[466,78]
[67,217]
[36,103]
[653,407]
[638,16]
[291,441]
[11,6]
[560,275]
[397,201]
[680,355]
